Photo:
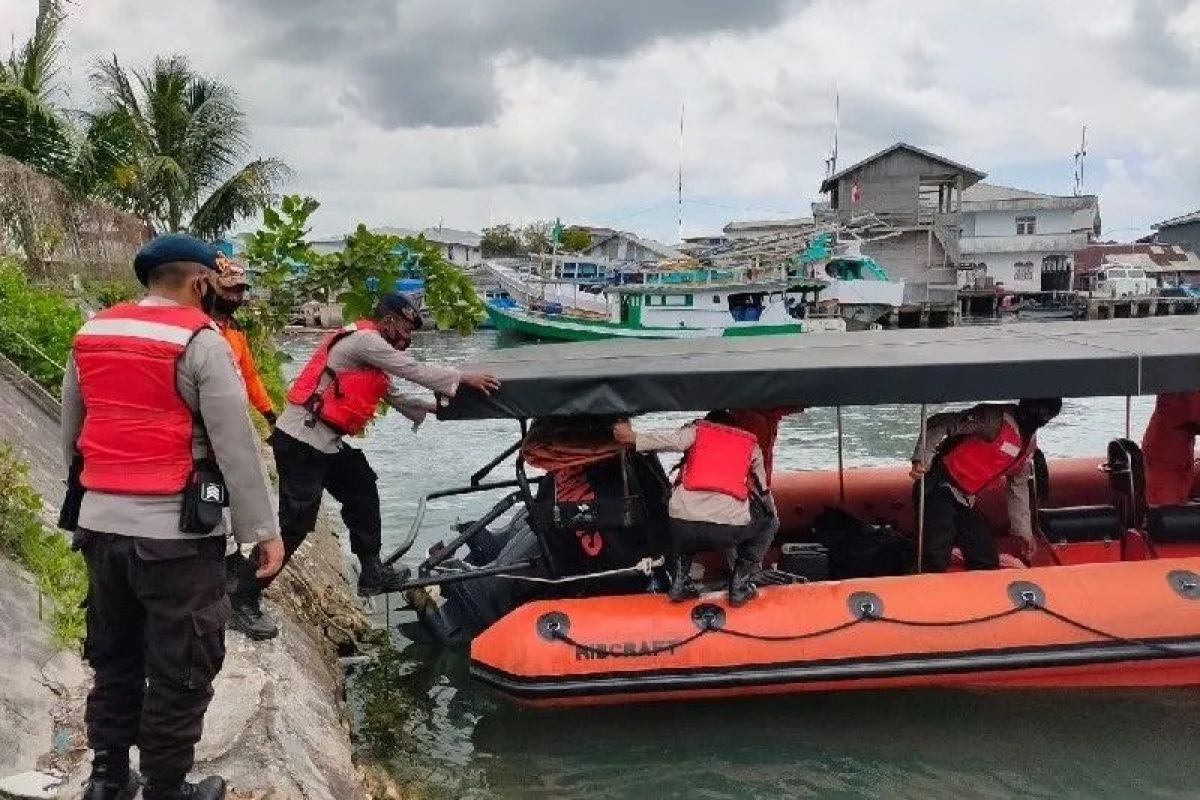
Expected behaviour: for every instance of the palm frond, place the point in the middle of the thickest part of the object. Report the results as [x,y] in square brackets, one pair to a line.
[243,194]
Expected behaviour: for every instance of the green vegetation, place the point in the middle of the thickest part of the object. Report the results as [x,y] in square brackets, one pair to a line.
[166,143]
[575,239]
[36,326]
[536,237]
[60,572]
[287,270]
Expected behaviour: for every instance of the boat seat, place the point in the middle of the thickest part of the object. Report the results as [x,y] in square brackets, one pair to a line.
[1174,524]
[1080,524]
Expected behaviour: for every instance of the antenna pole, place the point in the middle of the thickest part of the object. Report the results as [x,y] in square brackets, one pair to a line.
[679,184]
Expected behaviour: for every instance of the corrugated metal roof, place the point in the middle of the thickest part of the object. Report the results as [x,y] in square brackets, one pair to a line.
[832,180]
[1180,220]
[987,192]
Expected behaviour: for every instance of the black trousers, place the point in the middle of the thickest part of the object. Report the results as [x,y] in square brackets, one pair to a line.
[156,615]
[948,523]
[748,542]
[305,473]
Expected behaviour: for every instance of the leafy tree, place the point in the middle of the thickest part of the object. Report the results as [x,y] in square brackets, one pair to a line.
[286,269]
[182,137]
[535,237]
[500,240]
[576,239]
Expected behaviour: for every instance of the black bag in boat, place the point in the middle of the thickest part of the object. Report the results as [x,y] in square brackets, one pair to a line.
[858,549]
[624,521]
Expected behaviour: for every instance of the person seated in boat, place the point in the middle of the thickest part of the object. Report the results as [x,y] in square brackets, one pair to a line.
[720,499]
[965,452]
[1168,448]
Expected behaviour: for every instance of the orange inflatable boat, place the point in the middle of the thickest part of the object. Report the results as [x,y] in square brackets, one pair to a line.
[1108,609]
[1111,597]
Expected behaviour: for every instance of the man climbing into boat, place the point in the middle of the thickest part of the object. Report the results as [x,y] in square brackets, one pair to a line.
[963,453]
[720,499]
[1168,448]
[337,394]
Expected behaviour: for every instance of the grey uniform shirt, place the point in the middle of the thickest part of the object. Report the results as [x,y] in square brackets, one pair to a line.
[209,382]
[983,420]
[369,349]
[701,506]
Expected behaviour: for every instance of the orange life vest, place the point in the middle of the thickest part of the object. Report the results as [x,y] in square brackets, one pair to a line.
[976,463]
[719,460]
[137,430]
[348,401]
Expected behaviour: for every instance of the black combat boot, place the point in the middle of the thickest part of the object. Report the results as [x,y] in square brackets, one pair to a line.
[111,778]
[249,618]
[375,578]
[741,584]
[212,788]
[682,586]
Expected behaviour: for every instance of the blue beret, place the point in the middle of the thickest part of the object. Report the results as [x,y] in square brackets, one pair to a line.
[172,247]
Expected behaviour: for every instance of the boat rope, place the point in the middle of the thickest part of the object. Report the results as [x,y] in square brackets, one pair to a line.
[1165,649]
[557,632]
[646,567]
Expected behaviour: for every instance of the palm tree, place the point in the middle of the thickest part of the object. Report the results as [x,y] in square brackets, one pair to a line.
[186,136]
[32,129]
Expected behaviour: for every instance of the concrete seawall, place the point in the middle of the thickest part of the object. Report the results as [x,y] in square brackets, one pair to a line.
[277,726]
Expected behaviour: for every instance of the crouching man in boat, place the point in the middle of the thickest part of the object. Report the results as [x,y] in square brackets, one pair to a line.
[720,500]
[337,394]
[964,453]
[1168,448]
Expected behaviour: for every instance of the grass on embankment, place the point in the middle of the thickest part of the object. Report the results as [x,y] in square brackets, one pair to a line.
[59,571]
[36,326]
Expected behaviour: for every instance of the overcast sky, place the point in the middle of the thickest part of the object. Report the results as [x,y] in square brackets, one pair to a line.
[472,112]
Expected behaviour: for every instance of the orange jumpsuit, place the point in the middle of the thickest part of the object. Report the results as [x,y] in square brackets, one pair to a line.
[245,364]
[1168,448]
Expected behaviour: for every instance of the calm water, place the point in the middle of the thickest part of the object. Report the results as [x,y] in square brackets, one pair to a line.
[418,713]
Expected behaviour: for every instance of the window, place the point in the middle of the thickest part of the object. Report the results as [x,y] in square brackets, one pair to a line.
[1023,271]
[1026,226]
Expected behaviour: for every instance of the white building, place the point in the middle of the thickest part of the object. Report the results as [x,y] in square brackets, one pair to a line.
[1023,240]
[461,248]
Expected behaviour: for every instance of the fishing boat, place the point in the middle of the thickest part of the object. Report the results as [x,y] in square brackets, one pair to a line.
[679,304]
[1111,597]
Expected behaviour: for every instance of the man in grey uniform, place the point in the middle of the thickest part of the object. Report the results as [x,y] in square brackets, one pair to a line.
[337,394]
[155,413]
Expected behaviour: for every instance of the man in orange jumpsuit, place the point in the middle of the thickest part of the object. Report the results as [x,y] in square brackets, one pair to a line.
[231,295]
[1168,448]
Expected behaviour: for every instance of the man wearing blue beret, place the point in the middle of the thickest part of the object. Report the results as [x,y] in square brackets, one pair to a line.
[155,426]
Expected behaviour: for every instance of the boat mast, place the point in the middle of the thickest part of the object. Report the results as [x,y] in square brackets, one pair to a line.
[1080,154]
[679,182]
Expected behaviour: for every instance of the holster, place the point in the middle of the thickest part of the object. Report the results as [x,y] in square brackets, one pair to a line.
[204,497]
[68,515]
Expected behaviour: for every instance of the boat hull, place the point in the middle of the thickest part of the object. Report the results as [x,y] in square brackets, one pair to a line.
[564,328]
[956,629]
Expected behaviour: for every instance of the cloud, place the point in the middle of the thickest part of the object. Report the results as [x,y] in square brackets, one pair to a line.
[409,63]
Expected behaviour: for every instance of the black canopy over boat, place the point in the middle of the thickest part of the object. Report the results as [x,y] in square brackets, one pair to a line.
[1069,359]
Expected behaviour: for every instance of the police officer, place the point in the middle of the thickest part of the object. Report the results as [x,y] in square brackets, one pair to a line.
[965,452]
[155,409]
[337,394]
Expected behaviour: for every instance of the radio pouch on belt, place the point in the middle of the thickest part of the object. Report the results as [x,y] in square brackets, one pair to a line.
[203,498]
[68,516]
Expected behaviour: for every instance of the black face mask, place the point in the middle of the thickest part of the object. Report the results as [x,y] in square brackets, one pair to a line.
[208,300]
[225,306]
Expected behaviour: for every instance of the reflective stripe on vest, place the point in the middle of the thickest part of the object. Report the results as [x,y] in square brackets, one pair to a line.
[349,398]
[976,463]
[719,460]
[137,430]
